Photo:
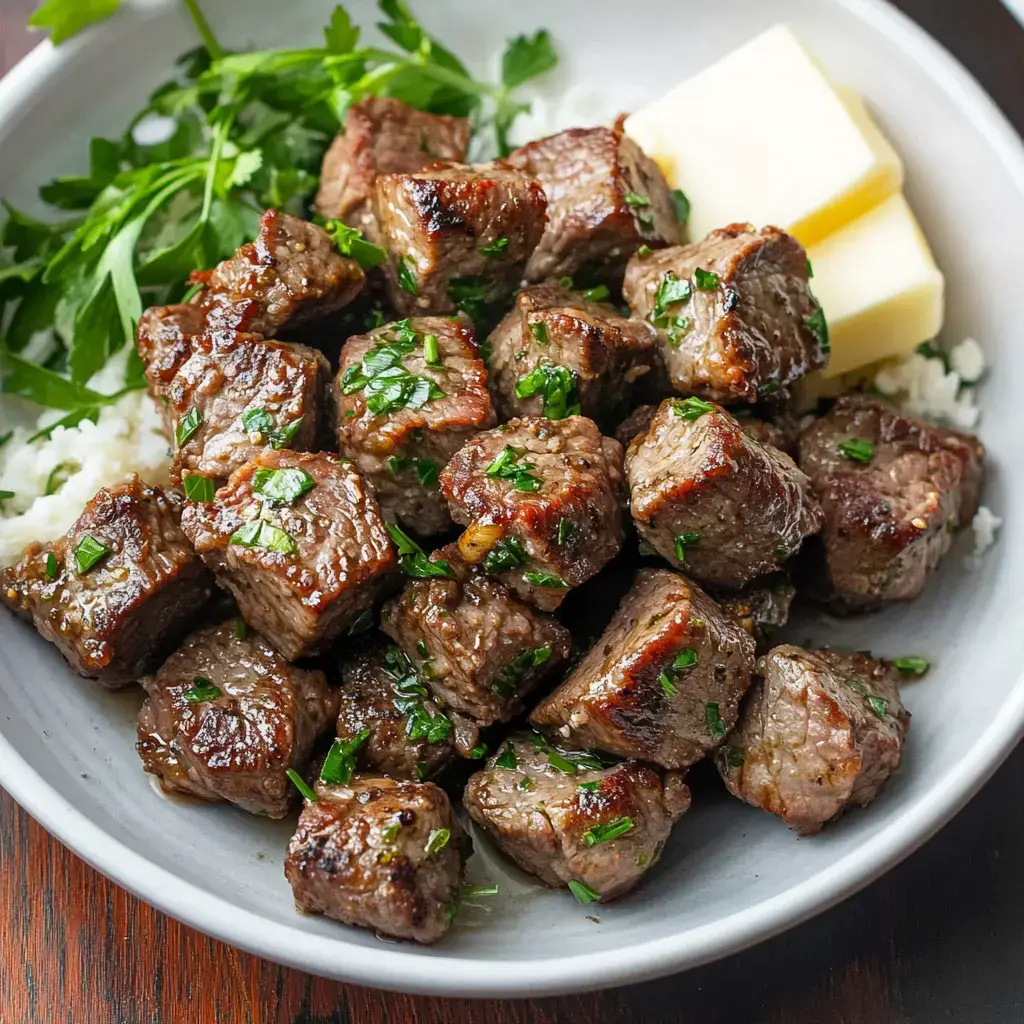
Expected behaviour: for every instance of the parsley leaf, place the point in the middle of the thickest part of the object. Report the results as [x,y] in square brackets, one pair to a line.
[556,384]
[508,553]
[340,763]
[857,450]
[201,690]
[597,834]
[67,18]
[350,242]
[426,469]
[260,534]
[691,409]
[671,289]
[508,680]
[388,384]
[413,562]
[508,467]
[282,486]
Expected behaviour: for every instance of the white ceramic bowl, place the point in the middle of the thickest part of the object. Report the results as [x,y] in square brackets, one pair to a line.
[731,875]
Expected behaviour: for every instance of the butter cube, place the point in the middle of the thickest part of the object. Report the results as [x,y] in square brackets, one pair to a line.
[762,136]
[879,285]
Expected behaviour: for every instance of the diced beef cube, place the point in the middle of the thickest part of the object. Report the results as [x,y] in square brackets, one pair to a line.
[893,489]
[563,816]
[479,649]
[119,589]
[541,500]
[409,395]
[781,431]
[458,236]
[713,501]
[606,197]
[636,424]
[761,609]
[557,353]
[227,716]
[819,731]
[300,543]
[735,314]
[290,275]
[382,136]
[379,854]
[662,684]
[237,394]
[387,712]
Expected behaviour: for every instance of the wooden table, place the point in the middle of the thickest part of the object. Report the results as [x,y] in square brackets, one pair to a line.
[939,937]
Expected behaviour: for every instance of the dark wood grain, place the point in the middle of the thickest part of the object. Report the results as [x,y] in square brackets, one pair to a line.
[939,937]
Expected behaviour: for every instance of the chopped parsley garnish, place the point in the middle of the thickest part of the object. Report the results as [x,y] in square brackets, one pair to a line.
[89,552]
[635,199]
[507,758]
[51,565]
[524,783]
[685,659]
[560,763]
[568,532]
[282,438]
[912,665]
[421,770]
[508,553]
[857,450]
[413,562]
[437,841]
[420,724]
[878,705]
[597,294]
[201,690]
[818,326]
[734,756]
[350,242]
[545,579]
[421,649]
[713,718]
[589,787]
[431,353]
[241,631]
[508,467]
[810,267]
[407,277]
[706,280]
[671,290]
[187,426]
[556,384]
[497,250]
[261,534]
[598,834]
[282,486]
[382,375]
[691,409]
[566,282]
[675,328]
[426,469]
[540,333]
[301,785]
[199,488]
[340,762]
[59,476]
[389,833]
[478,752]
[638,203]
[257,421]
[508,680]
[361,623]
[769,388]
[375,318]
[583,892]
[683,541]
[682,205]
[469,295]
[644,250]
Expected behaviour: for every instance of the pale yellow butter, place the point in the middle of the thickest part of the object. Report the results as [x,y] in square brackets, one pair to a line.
[879,285]
[762,136]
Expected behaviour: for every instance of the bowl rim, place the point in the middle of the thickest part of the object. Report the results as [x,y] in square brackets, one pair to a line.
[408,970]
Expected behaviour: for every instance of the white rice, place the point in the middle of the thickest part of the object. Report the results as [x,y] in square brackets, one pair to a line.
[127,438]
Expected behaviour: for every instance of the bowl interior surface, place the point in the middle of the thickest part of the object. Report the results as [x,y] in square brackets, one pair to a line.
[730,874]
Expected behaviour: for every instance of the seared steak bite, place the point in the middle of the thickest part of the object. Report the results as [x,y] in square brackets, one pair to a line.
[236,394]
[227,716]
[714,502]
[567,818]
[735,314]
[458,236]
[387,715]
[557,353]
[819,731]
[299,542]
[662,684]
[408,396]
[379,854]
[893,490]
[541,500]
[290,275]
[382,136]
[118,590]
[479,649]
[760,609]
[605,197]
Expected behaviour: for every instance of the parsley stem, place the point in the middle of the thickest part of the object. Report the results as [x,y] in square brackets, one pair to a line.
[203,27]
